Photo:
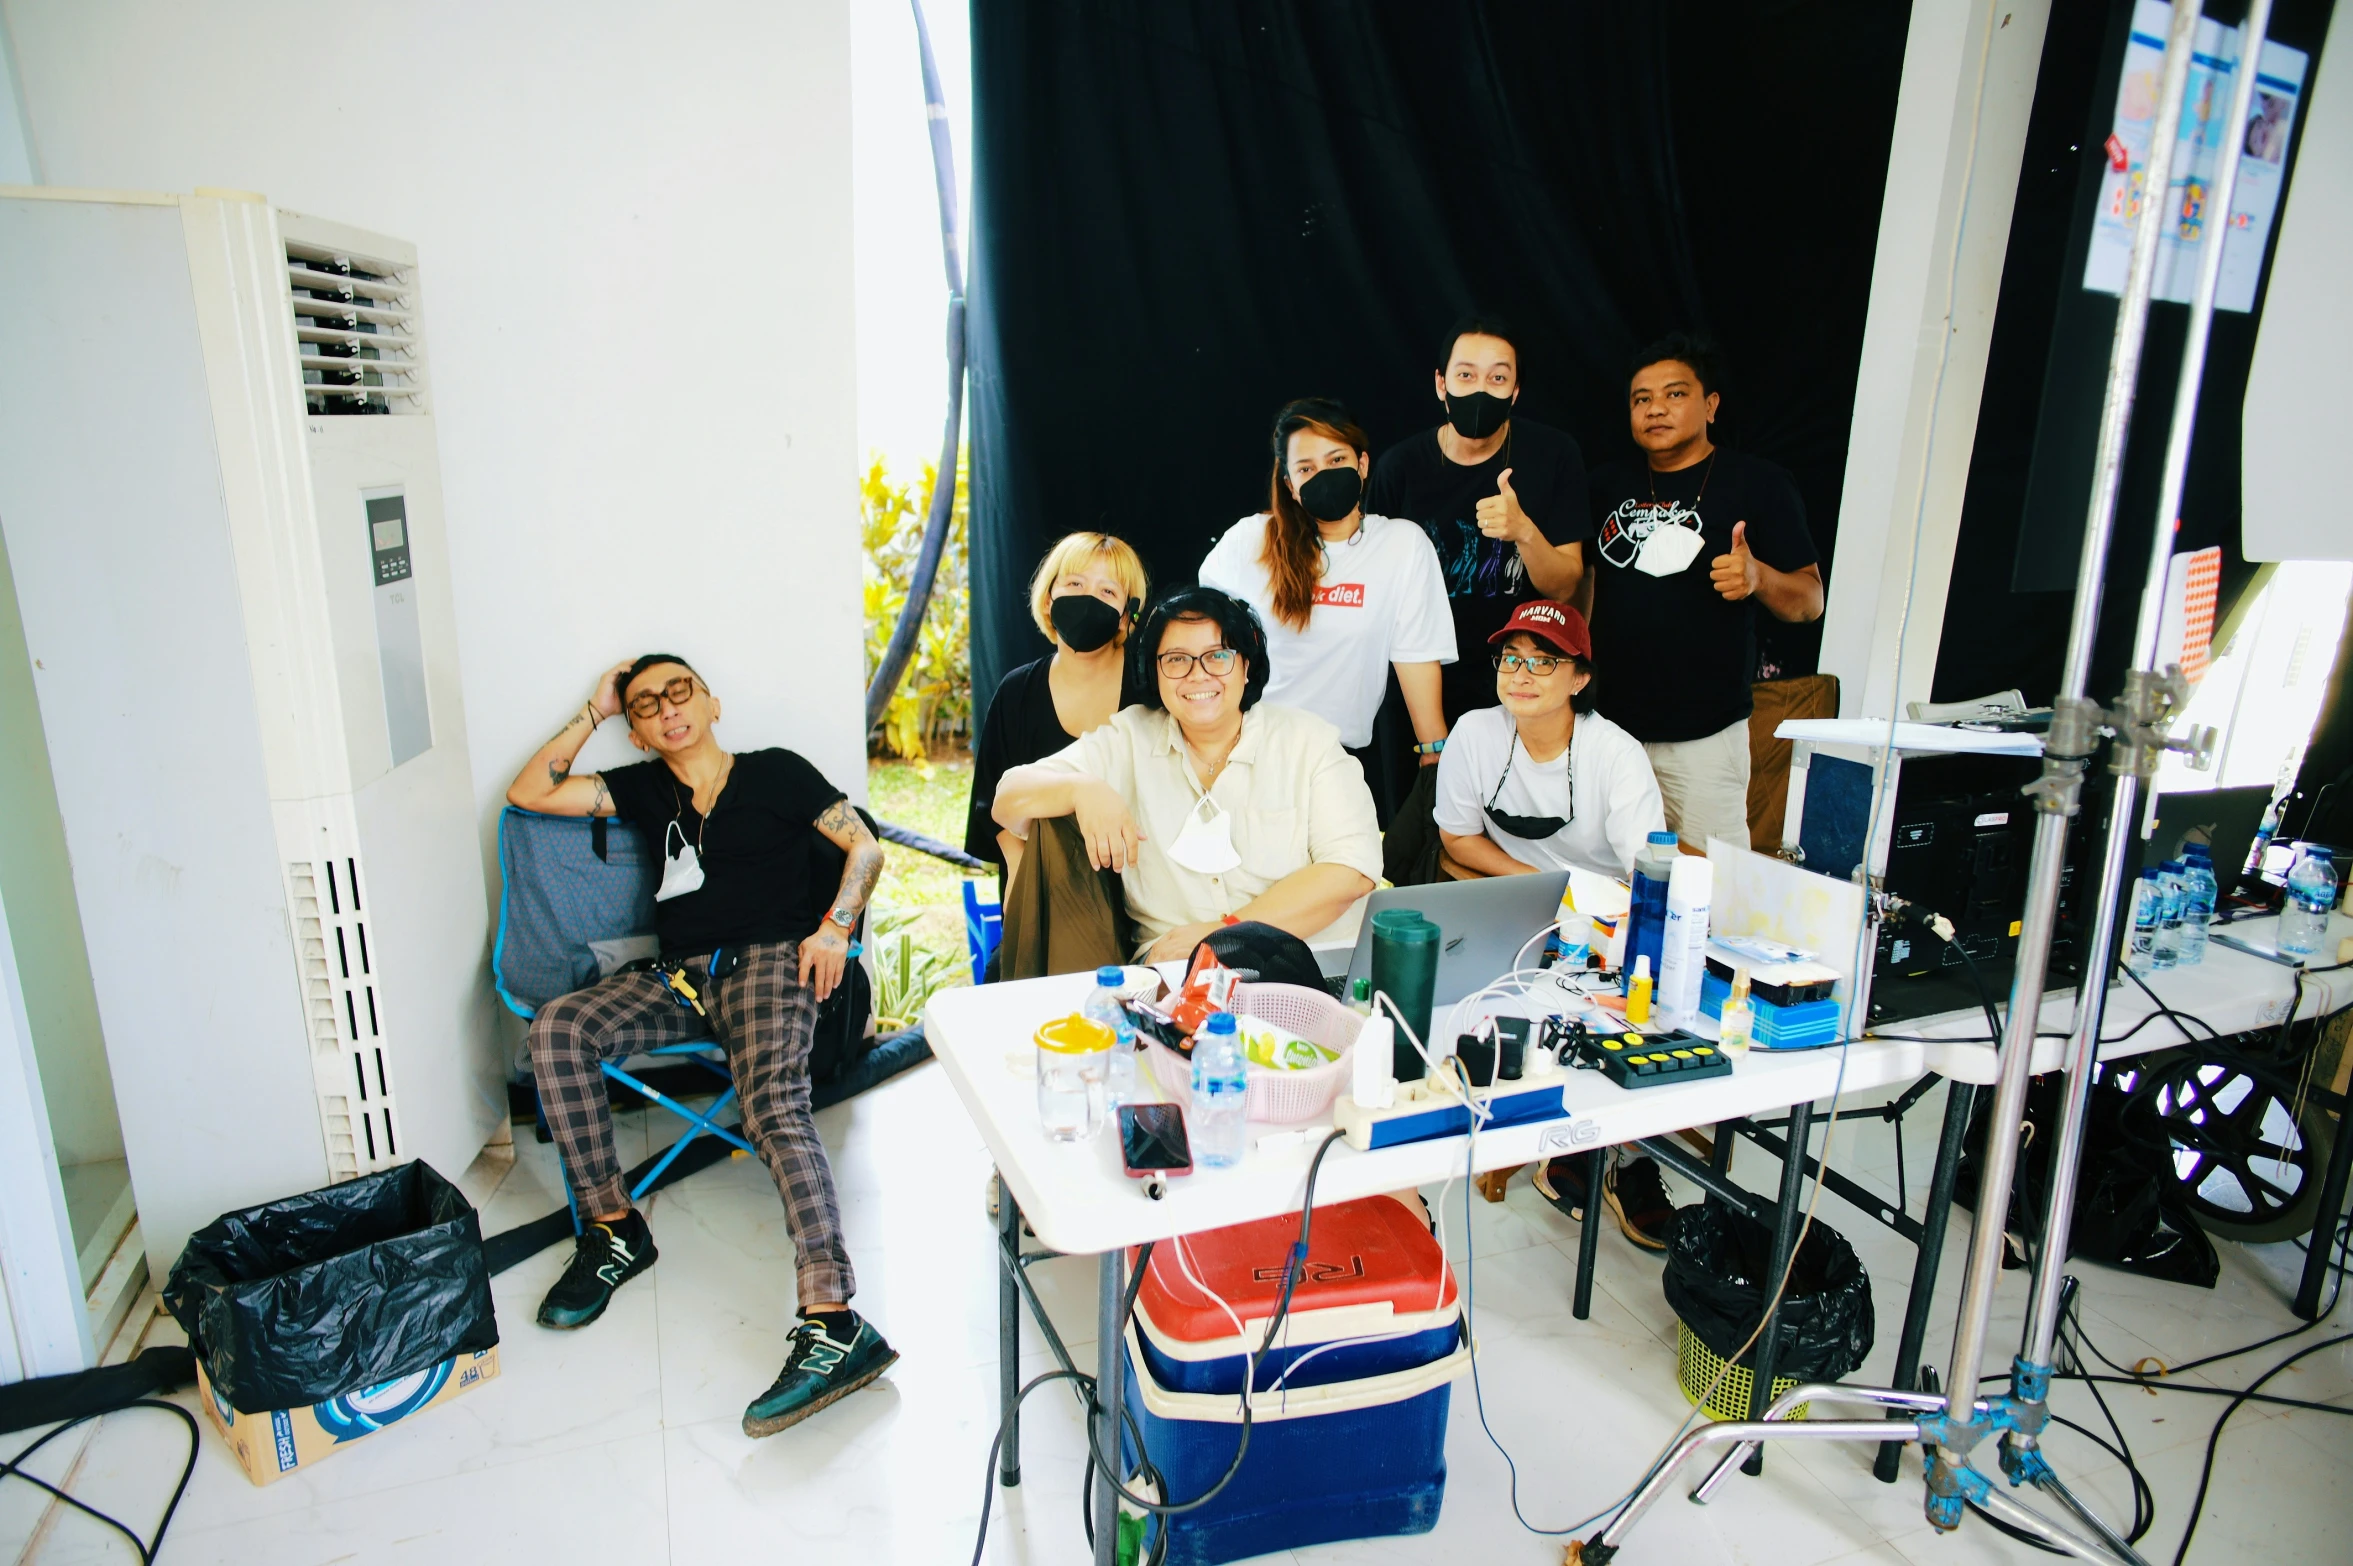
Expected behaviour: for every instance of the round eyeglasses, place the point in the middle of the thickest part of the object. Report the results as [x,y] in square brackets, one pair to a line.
[1217,661]
[646,704]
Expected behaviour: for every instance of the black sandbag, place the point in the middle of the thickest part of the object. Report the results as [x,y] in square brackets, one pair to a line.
[298,1300]
[1718,1275]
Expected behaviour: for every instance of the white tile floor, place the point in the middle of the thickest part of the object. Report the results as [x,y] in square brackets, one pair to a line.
[621,1443]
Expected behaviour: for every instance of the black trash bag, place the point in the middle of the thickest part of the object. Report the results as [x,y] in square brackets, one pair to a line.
[2128,1211]
[1718,1267]
[298,1300]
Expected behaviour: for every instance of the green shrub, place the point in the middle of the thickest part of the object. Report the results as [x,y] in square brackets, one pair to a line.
[933,705]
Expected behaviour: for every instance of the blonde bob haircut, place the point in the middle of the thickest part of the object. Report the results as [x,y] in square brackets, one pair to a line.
[1076,552]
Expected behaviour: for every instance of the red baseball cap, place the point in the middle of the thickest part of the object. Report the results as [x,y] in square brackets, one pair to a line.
[1551,622]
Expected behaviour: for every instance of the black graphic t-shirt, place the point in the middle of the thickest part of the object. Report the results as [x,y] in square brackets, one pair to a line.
[1673,657]
[761,849]
[1485,580]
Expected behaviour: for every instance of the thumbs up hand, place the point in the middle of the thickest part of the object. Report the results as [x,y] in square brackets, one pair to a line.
[1500,516]
[1735,574]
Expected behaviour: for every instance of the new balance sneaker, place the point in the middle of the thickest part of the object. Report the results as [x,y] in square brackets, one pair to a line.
[1638,1199]
[821,1369]
[605,1256]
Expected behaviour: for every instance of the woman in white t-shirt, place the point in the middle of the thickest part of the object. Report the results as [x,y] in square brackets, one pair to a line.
[1345,597]
[1542,781]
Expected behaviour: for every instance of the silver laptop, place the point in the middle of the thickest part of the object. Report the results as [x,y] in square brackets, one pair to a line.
[1482,925]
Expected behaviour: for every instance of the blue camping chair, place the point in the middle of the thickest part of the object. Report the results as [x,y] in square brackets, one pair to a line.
[984,927]
[579,894]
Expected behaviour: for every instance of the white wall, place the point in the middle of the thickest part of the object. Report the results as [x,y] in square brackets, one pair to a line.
[2298,401]
[634,235]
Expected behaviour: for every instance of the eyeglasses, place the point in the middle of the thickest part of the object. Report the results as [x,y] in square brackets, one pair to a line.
[1217,662]
[647,704]
[1538,665]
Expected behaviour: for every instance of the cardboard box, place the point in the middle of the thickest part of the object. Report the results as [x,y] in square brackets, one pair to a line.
[270,1446]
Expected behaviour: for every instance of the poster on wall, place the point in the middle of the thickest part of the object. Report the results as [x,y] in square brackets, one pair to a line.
[2214,64]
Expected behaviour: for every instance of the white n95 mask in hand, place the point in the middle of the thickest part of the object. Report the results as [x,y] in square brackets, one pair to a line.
[1668,550]
[682,872]
[1206,845]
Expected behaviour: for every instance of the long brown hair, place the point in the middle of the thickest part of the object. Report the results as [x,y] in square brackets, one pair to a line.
[1292,553]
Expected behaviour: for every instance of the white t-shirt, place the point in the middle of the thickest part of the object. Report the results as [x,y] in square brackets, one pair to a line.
[1616,804]
[1382,601]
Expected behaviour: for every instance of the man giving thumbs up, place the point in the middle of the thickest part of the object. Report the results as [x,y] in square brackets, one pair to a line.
[1688,539]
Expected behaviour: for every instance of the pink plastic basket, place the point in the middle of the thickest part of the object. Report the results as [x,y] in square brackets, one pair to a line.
[1279,1097]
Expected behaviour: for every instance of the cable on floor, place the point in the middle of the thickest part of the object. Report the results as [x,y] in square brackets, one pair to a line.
[13,1468]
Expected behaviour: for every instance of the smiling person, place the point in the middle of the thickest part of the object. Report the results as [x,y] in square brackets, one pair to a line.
[1347,598]
[1500,496]
[1541,781]
[1690,539]
[1085,596]
[1213,806]
[759,941]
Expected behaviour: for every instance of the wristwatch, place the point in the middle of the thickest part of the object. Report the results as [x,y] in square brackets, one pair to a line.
[846,919]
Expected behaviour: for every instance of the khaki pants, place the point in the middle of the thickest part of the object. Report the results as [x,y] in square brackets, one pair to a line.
[1704,785]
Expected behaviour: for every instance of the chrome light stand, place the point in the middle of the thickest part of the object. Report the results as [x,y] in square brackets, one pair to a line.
[1951,1426]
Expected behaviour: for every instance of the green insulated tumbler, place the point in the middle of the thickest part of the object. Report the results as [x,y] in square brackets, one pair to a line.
[1405,968]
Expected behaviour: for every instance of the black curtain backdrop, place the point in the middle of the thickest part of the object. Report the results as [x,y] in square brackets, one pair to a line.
[1188,213]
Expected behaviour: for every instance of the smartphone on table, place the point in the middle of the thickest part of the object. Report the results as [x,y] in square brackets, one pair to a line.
[1152,1140]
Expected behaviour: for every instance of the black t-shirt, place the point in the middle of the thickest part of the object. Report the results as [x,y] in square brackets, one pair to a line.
[1673,658]
[1021,727]
[764,861]
[1485,580]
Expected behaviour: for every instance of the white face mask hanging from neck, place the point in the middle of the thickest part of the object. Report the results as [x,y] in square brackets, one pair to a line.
[1206,844]
[682,872]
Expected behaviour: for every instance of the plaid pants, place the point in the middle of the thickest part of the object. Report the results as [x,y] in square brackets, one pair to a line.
[765,1018]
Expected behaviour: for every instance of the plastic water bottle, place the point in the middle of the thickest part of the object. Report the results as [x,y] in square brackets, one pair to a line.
[1219,1123]
[2197,902]
[1684,947]
[1102,1005]
[2312,892]
[1646,921]
[2148,907]
[2165,952]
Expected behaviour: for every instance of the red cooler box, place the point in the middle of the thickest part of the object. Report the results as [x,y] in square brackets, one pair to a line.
[1349,1410]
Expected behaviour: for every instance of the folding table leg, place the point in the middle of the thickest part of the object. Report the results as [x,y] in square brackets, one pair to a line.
[1589,1234]
[1109,1354]
[1786,1219]
[1008,1335]
[1960,1099]
[2323,1245]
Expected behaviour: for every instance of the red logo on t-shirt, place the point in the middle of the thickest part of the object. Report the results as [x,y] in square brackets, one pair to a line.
[1342,595]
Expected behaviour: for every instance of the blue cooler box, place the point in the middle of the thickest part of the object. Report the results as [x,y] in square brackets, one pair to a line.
[1348,1426]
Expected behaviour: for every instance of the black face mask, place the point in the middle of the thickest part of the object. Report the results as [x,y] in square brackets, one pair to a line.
[1332,494]
[1083,621]
[1530,829]
[1477,415]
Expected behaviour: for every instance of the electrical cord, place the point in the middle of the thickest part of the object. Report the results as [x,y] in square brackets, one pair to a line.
[2214,1440]
[13,1468]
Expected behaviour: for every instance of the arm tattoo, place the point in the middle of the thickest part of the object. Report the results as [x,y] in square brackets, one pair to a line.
[604,795]
[558,770]
[839,817]
[863,871]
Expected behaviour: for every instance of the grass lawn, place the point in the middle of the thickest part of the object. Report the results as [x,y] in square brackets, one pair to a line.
[931,800]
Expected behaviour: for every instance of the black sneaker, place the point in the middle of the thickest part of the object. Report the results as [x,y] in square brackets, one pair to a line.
[605,1257]
[1561,1181]
[1638,1199]
[821,1369]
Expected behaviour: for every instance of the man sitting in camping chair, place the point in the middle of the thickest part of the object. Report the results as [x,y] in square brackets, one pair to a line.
[750,943]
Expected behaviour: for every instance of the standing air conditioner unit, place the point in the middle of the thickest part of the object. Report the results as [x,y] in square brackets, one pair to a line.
[222,512]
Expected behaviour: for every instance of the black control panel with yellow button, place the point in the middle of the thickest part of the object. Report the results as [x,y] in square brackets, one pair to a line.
[1640,1060]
